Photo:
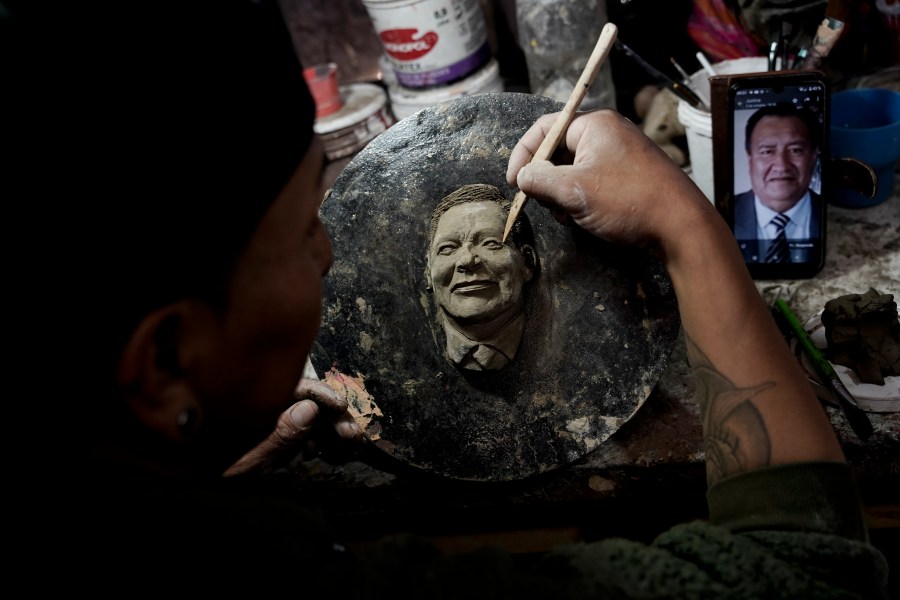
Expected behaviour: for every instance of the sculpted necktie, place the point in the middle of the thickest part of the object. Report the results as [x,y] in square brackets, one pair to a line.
[778,251]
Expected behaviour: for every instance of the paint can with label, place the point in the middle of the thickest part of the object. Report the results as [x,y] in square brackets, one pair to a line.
[431,42]
[406,102]
[364,114]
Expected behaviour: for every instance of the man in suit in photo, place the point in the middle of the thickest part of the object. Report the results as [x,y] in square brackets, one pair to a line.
[777,220]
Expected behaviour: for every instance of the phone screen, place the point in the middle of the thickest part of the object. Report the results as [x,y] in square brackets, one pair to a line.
[778,133]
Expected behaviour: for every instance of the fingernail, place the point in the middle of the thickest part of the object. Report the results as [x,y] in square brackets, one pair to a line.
[352,429]
[303,413]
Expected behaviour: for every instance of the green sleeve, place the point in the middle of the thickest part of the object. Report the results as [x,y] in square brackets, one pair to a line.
[788,532]
[816,497]
[792,531]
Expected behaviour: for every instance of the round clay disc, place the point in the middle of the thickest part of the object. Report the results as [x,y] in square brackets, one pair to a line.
[601,320]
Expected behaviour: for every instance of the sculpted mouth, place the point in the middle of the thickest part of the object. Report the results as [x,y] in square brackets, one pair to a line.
[469,287]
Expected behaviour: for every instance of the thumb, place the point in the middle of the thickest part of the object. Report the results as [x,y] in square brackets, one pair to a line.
[545,181]
[293,426]
[551,185]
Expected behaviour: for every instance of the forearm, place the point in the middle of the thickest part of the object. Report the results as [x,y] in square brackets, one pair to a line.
[756,406]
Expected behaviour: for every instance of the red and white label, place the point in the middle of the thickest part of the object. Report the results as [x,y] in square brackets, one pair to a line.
[430,42]
[408,44]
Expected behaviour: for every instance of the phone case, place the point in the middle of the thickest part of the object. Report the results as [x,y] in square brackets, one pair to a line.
[722,90]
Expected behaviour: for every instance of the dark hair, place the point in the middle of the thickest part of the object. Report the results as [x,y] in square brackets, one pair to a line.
[520,233]
[810,120]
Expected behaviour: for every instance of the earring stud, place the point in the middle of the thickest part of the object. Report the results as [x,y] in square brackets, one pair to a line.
[187,421]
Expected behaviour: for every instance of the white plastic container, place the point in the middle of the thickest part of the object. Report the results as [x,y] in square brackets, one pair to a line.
[698,123]
[431,42]
[364,115]
[406,102]
[386,71]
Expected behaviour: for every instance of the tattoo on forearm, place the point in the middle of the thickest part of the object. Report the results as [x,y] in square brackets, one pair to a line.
[735,437]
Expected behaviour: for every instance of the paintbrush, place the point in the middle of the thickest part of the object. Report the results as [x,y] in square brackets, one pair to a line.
[561,124]
[827,35]
[682,90]
[856,417]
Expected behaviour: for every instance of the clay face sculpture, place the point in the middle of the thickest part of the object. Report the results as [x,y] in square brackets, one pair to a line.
[476,279]
[600,323]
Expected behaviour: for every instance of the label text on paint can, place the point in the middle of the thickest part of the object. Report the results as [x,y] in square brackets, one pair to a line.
[401,45]
[431,42]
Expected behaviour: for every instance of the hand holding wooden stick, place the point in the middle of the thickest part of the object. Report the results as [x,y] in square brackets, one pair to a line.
[558,130]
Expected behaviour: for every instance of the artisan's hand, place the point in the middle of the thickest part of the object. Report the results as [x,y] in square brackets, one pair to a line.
[757,407]
[318,405]
[612,180]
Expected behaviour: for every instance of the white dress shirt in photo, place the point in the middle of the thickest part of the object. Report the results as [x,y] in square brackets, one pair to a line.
[796,229]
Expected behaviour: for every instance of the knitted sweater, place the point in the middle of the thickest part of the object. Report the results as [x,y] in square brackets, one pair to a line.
[794,531]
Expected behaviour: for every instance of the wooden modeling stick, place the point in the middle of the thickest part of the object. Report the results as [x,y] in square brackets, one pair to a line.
[561,124]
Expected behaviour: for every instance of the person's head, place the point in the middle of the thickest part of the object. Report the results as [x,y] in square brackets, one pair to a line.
[782,144]
[196,238]
[478,279]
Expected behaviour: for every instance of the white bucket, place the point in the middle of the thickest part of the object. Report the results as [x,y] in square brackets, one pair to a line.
[406,102]
[431,42]
[364,115]
[386,71]
[698,123]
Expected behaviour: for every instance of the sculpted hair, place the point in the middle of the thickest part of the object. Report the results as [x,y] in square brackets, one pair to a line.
[521,232]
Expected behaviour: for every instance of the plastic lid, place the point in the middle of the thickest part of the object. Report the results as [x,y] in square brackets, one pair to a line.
[361,101]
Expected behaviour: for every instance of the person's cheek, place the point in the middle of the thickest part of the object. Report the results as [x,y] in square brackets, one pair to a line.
[323,253]
[499,266]
[442,272]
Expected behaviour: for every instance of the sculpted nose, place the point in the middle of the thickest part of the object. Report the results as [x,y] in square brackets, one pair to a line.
[467,257]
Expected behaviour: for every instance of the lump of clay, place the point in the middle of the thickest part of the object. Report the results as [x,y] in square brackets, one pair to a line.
[863,333]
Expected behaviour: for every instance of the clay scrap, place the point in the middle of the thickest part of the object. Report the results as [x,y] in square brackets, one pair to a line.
[863,334]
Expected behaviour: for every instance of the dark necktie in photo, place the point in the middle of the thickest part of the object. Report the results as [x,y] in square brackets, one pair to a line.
[778,250]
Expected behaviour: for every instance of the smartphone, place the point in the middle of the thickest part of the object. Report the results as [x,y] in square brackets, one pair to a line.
[775,188]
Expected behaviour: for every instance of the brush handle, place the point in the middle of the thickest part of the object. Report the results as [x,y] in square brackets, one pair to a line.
[856,417]
[561,124]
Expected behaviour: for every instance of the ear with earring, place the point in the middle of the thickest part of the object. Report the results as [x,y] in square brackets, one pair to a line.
[188,422]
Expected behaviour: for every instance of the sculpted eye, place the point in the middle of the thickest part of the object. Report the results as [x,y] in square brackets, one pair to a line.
[446,249]
[492,244]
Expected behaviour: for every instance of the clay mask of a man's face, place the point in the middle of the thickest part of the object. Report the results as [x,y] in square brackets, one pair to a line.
[476,277]
[478,280]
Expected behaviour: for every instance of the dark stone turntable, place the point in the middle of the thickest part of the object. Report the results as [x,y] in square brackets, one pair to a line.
[601,320]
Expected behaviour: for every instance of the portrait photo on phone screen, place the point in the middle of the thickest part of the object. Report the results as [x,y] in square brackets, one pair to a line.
[779,146]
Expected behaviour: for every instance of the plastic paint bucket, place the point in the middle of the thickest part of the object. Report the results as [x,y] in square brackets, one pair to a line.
[363,116]
[431,42]
[698,123]
[386,71]
[405,102]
